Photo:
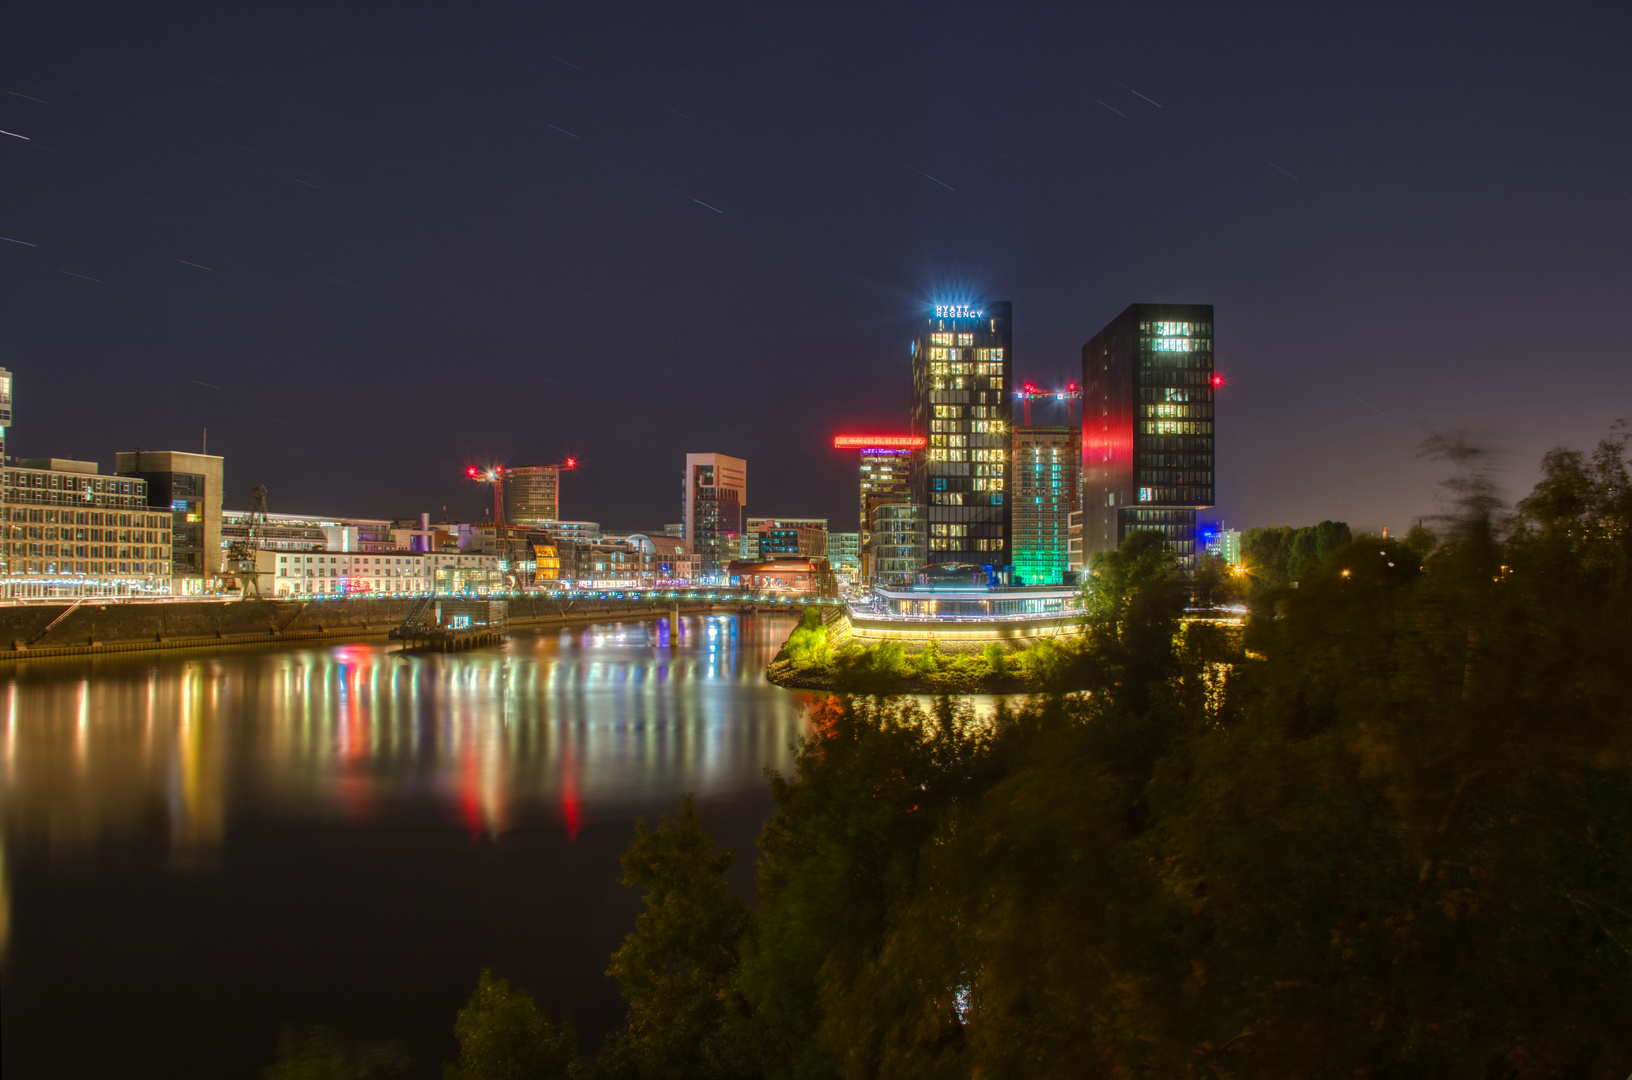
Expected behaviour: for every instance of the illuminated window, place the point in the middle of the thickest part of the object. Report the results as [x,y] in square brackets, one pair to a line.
[940,339]
[966,339]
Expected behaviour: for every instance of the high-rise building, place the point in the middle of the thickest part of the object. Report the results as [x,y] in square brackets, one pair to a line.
[716,490]
[1044,468]
[532,494]
[961,364]
[885,473]
[188,486]
[1147,427]
[895,543]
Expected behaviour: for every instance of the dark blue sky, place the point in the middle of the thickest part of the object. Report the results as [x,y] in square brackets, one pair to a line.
[441,233]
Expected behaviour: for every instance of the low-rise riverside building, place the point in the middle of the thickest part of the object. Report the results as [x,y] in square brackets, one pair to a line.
[810,576]
[957,601]
[347,573]
[72,533]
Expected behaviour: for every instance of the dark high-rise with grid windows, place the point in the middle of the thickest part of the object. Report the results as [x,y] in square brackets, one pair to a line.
[961,363]
[1147,427]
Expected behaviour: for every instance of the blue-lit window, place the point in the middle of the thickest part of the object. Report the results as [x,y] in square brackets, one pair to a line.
[938,483]
[997,499]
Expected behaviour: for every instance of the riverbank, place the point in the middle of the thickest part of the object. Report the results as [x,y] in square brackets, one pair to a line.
[823,653]
[92,628]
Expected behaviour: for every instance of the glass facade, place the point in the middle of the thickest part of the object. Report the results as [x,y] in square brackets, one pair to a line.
[1147,439]
[532,494]
[961,366]
[895,543]
[1045,464]
[980,605]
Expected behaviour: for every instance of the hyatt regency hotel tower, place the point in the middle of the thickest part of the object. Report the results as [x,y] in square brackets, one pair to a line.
[961,363]
[1147,427]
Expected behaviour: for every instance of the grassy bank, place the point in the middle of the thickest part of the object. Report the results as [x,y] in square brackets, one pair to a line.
[815,658]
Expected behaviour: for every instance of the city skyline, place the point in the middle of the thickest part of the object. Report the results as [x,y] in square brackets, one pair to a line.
[279,230]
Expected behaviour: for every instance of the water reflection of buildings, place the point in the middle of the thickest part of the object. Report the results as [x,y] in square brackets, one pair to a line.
[555,727]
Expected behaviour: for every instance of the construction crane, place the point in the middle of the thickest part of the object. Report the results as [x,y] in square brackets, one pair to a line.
[241,568]
[1030,392]
[494,474]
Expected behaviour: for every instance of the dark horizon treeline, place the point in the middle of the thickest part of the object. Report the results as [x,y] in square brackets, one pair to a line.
[1385,831]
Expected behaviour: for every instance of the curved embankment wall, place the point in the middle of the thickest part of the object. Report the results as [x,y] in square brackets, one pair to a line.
[42,630]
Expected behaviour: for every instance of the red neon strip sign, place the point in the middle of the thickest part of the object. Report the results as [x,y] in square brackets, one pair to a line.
[881,442]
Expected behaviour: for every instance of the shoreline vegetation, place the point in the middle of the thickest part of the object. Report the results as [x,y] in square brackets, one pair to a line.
[816,658]
[1385,832]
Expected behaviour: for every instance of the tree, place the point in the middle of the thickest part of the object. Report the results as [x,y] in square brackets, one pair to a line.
[676,966]
[504,1035]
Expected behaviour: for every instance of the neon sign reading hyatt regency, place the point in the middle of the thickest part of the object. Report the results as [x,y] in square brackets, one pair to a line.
[957,311]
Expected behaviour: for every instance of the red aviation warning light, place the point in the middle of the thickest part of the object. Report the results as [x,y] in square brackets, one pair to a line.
[492,474]
[1030,392]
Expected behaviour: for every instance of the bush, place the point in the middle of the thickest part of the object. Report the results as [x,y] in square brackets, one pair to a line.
[997,658]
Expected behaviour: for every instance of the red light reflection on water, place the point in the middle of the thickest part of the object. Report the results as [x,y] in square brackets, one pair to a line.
[571,810]
[470,802]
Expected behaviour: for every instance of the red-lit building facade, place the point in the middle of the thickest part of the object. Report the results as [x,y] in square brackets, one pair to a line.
[1147,427]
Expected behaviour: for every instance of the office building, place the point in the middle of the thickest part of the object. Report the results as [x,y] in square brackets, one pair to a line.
[765,538]
[716,492]
[1147,427]
[5,411]
[895,543]
[188,486]
[317,532]
[1073,532]
[71,532]
[579,532]
[1044,468]
[961,364]
[844,552]
[886,467]
[1222,544]
[664,560]
[532,494]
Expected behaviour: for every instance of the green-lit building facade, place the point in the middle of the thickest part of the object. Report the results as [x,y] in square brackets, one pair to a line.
[1044,467]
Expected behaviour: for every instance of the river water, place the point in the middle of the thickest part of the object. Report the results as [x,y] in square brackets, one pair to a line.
[202,848]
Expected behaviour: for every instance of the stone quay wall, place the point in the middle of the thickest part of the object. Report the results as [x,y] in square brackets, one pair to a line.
[33,631]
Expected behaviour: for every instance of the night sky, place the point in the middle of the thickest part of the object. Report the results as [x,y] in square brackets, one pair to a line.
[368,244]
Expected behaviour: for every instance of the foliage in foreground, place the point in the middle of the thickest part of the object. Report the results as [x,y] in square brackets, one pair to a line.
[1397,842]
[1389,835]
